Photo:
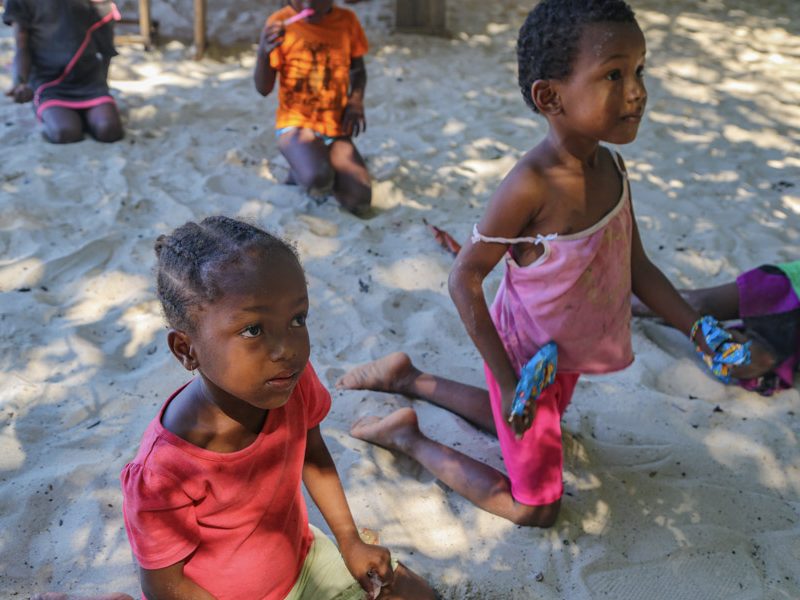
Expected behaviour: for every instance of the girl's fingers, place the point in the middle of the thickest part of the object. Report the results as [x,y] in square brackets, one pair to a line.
[366,584]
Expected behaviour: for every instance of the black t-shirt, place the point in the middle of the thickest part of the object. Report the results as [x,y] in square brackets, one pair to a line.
[56,29]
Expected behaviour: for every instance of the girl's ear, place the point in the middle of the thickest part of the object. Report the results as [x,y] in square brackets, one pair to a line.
[545,97]
[181,347]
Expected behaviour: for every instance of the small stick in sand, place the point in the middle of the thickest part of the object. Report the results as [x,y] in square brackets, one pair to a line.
[445,239]
[303,14]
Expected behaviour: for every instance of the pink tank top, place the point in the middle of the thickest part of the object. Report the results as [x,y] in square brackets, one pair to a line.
[577,293]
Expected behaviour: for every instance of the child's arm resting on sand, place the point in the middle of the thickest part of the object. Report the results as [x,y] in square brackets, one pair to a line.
[511,208]
[20,90]
[353,119]
[323,484]
[264,75]
[170,583]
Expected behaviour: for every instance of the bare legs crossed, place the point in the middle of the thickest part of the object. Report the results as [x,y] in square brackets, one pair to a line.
[484,486]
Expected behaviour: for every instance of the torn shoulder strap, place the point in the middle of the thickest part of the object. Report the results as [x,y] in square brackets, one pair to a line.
[477,236]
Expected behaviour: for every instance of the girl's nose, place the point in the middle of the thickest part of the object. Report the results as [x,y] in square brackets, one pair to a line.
[280,348]
[637,91]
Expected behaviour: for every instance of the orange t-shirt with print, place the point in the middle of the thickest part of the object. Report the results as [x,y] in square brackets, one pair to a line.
[314,67]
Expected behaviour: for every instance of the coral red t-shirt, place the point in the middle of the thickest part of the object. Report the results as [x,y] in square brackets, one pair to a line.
[238,519]
[313,62]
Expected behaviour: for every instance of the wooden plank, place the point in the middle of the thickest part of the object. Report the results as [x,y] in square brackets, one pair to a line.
[144,24]
[199,28]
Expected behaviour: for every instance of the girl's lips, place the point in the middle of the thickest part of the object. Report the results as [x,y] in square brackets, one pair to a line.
[282,382]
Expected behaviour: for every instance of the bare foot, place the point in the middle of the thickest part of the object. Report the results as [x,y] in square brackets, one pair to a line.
[391,373]
[60,596]
[397,431]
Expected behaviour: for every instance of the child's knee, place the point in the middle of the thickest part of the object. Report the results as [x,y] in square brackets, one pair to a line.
[108,132]
[320,179]
[543,516]
[63,135]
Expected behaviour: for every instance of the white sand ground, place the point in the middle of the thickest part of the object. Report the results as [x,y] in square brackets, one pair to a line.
[667,496]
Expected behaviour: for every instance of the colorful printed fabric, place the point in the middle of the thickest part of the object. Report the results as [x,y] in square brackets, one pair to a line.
[769,306]
[727,353]
[536,375]
[792,271]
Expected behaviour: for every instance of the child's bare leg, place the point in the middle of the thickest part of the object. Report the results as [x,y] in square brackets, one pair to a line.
[721,302]
[482,485]
[407,586]
[62,125]
[60,596]
[309,160]
[352,187]
[104,123]
[395,373]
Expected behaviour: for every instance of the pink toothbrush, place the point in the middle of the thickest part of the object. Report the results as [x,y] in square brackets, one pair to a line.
[303,14]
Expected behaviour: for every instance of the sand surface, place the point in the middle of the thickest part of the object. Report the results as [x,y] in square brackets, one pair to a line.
[676,486]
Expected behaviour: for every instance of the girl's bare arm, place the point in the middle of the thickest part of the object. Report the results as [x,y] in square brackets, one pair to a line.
[20,90]
[263,74]
[323,484]
[653,288]
[509,211]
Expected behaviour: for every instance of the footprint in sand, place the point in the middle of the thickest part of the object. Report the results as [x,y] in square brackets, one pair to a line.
[242,185]
[634,457]
[692,575]
[90,259]
[398,307]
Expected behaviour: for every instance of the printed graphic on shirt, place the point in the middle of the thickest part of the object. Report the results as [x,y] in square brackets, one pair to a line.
[313,63]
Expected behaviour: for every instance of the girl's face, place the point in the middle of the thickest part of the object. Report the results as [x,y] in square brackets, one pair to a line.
[251,345]
[604,96]
[320,7]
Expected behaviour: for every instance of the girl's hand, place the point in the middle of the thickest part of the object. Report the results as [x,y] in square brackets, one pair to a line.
[21,93]
[353,119]
[519,423]
[762,360]
[362,559]
[271,38]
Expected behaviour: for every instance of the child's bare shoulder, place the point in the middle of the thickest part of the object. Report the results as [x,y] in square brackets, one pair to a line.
[529,179]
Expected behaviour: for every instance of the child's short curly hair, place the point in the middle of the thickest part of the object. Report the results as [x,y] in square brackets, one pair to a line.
[191,258]
[548,40]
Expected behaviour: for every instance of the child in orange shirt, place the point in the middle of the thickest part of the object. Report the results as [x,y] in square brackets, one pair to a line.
[320,60]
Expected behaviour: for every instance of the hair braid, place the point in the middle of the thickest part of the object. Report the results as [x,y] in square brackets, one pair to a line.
[190,259]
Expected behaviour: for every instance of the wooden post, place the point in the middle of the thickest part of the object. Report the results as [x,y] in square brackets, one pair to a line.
[421,16]
[144,24]
[199,28]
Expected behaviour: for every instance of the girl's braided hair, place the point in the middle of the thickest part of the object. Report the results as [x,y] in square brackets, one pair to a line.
[190,259]
[548,40]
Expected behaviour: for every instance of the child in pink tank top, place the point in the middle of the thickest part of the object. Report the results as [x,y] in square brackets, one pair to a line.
[563,221]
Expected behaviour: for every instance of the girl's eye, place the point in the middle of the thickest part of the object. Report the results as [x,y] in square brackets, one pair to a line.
[640,72]
[251,331]
[614,75]
[299,321]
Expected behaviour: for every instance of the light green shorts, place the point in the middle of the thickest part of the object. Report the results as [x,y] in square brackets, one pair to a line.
[324,575]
